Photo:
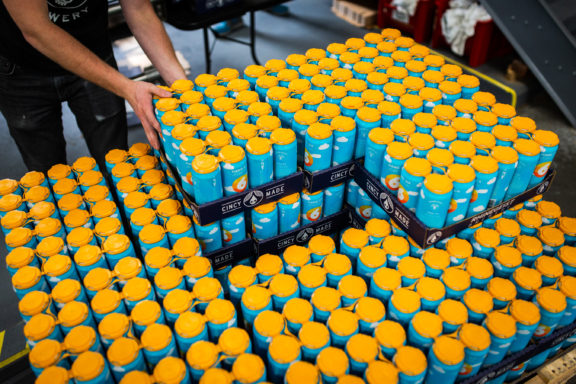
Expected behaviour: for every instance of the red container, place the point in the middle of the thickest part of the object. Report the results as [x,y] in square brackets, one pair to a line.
[419,26]
[486,43]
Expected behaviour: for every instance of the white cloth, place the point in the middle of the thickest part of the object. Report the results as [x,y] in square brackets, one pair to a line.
[406,6]
[459,22]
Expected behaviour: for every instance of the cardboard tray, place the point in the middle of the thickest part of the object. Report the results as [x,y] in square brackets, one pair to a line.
[421,234]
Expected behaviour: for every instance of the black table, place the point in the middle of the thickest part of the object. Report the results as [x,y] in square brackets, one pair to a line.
[179,15]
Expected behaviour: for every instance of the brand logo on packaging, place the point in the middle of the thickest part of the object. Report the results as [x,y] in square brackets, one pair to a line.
[434,237]
[542,188]
[386,203]
[253,198]
[304,235]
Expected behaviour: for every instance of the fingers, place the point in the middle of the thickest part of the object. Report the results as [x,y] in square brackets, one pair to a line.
[159,91]
[151,136]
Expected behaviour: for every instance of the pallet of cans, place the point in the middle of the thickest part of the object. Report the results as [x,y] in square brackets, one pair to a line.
[120,280]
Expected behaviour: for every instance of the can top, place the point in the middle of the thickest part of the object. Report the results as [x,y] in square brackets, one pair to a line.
[127,184]
[399,150]
[439,184]
[394,89]
[245,131]
[168,278]
[220,311]
[421,141]
[325,81]
[296,255]
[444,133]
[326,299]
[233,341]
[474,337]
[107,226]
[453,312]
[53,375]
[59,171]
[283,75]
[73,313]
[308,70]
[377,78]
[440,157]
[504,155]
[502,289]
[312,276]
[430,94]
[461,173]
[448,350]
[257,146]
[88,366]
[50,246]
[508,256]
[435,77]
[69,201]
[370,310]
[468,81]
[410,361]
[170,370]
[137,377]
[302,371]
[189,324]
[377,227]
[177,301]
[284,349]
[172,118]
[209,123]
[255,297]
[291,105]
[161,191]
[166,104]
[321,245]
[505,132]
[389,108]
[525,312]
[150,233]
[336,48]
[417,166]
[411,267]
[523,124]
[100,192]
[298,311]
[314,335]
[248,368]
[143,216]
[529,245]
[527,278]
[39,193]
[548,209]
[427,324]
[450,88]
[218,139]
[242,276]
[390,33]
[355,238]
[478,301]
[215,91]
[123,351]
[207,288]
[436,258]
[337,264]
[501,325]
[114,325]
[251,71]
[283,285]
[479,268]
[45,353]
[19,237]
[238,85]
[549,266]
[156,337]
[224,104]
[247,97]
[296,60]
[362,348]
[8,186]
[269,323]
[381,135]
[269,265]
[191,97]
[33,303]
[103,208]
[182,85]
[430,289]
[367,114]
[444,112]
[39,327]
[405,300]
[503,110]
[14,219]
[275,65]
[105,301]
[484,164]
[390,334]
[202,355]
[567,255]
[319,131]
[527,147]
[551,236]
[416,66]
[567,285]
[136,289]
[456,278]
[196,266]
[57,265]
[401,56]
[352,287]
[31,179]
[205,164]
[342,322]
[459,248]
[196,111]
[135,150]
[313,97]
[451,70]
[507,227]
[483,140]
[192,146]
[372,96]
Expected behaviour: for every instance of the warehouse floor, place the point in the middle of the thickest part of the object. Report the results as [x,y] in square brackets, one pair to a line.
[311,24]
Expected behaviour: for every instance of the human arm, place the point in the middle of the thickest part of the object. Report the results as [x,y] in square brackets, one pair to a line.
[149,31]
[32,19]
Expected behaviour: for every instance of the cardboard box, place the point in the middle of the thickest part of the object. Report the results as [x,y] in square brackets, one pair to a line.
[355,14]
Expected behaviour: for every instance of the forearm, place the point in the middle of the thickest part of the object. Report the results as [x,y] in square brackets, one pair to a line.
[152,37]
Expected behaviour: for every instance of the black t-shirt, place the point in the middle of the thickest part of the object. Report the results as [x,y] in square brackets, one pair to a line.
[86,20]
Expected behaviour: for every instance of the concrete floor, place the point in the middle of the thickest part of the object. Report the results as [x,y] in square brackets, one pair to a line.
[311,24]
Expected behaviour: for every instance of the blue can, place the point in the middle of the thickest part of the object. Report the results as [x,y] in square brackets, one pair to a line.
[527,316]
[289,212]
[411,178]
[507,161]
[158,342]
[260,161]
[73,314]
[342,324]
[285,152]
[412,365]
[234,169]
[502,330]
[411,105]
[125,356]
[434,202]
[220,315]
[96,376]
[233,229]
[255,299]
[376,144]
[28,279]
[333,199]
[463,179]
[548,142]
[189,328]
[403,306]
[528,158]
[318,147]
[432,293]
[265,221]
[424,329]
[20,237]
[206,178]
[283,351]
[470,85]
[352,192]
[476,340]
[366,119]
[392,163]
[267,325]
[312,204]
[209,235]
[363,204]
[552,305]
[486,176]
[283,288]
[344,132]
[445,360]
[287,108]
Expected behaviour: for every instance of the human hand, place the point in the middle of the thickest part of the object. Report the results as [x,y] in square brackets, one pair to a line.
[139,94]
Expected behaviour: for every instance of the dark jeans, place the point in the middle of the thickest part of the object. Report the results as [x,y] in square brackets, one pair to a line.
[31,103]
